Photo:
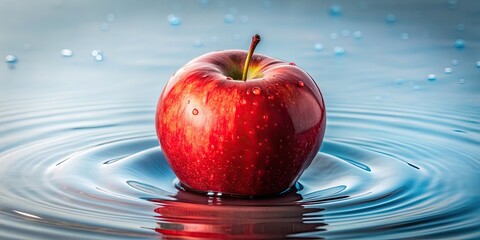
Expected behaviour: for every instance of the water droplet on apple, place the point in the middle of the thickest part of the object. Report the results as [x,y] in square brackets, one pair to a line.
[229,78]
[447,70]
[256,90]
[292,64]
[243,101]
[195,111]
[454,62]
[212,146]
[270,97]
[258,59]
[210,193]
[265,117]
[301,84]
[459,43]
[66,52]
[173,20]
[188,101]
[431,77]
[390,18]
[260,144]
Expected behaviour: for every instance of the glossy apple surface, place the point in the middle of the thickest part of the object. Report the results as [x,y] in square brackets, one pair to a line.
[245,138]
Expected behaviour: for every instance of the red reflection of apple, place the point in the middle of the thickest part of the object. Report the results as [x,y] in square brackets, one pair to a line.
[240,123]
[244,219]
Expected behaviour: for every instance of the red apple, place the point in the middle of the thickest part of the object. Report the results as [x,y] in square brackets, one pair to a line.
[249,133]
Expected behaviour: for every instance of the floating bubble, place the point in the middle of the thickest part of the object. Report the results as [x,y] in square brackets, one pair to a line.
[335,10]
[404,36]
[345,33]
[452,4]
[197,43]
[66,52]
[459,43]
[357,34]
[417,87]
[318,47]
[460,27]
[364,5]
[333,36]
[174,20]
[233,10]
[243,18]
[104,26]
[478,64]
[98,55]
[390,18]
[447,70]
[461,81]
[110,17]
[27,46]
[454,62]
[431,77]
[399,81]
[266,3]
[11,59]
[339,51]
[228,18]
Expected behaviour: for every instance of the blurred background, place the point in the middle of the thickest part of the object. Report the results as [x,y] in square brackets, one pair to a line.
[367,49]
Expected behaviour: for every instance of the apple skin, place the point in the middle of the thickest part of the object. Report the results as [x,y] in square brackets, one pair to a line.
[243,138]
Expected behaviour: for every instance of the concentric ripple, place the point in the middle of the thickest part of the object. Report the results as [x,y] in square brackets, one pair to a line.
[95,170]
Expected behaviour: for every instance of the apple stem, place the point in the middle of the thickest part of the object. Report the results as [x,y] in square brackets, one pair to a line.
[255,40]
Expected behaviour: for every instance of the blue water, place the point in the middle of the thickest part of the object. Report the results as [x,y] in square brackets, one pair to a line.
[79,158]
